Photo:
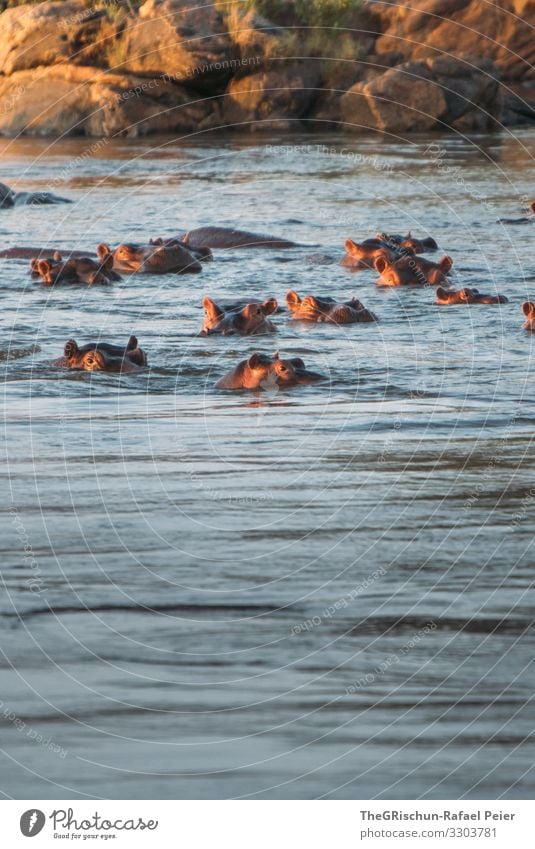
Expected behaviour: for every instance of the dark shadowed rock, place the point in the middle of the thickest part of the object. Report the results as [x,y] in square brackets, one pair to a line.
[273,98]
[425,95]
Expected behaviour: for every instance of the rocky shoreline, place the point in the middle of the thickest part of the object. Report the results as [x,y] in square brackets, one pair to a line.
[179,66]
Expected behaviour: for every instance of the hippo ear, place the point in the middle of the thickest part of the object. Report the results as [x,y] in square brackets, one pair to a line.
[381,263]
[70,349]
[292,298]
[269,306]
[276,356]
[43,267]
[107,263]
[441,293]
[254,360]
[352,248]
[211,308]
[464,294]
[56,256]
[185,238]
[446,263]
[103,250]
[532,206]
[158,241]
[132,343]
[528,308]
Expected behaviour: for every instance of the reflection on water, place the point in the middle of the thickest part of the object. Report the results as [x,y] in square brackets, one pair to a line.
[324,593]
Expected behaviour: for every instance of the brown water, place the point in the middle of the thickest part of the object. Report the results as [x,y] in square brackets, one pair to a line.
[325,592]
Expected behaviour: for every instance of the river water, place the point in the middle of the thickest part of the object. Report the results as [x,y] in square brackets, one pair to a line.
[319,593]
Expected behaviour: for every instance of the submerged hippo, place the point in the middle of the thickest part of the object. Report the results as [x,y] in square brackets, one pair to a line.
[360,255]
[263,372]
[228,237]
[467,296]
[10,198]
[75,269]
[32,253]
[324,309]
[525,220]
[528,308]
[101,356]
[203,254]
[412,271]
[153,259]
[409,242]
[240,317]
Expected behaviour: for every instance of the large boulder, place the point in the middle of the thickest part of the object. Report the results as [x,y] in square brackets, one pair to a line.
[75,100]
[183,39]
[425,95]
[501,32]
[271,99]
[47,33]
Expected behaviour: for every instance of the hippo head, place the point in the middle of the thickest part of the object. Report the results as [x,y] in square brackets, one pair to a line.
[412,271]
[101,356]
[283,372]
[307,307]
[467,296]
[528,308]
[450,296]
[7,196]
[48,269]
[249,319]
[418,246]
[128,256]
[263,372]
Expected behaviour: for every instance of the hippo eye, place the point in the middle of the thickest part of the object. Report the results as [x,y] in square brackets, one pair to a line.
[283,368]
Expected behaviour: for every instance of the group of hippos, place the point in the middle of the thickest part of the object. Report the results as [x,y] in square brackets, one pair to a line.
[396,259]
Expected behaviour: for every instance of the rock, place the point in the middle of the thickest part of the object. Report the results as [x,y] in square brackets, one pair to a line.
[47,33]
[76,100]
[185,39]
[501,32]
[519,104]
[426,95]
[403,98]
[271,99]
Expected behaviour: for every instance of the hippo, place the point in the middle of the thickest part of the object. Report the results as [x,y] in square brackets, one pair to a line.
[412,271]
[153,259]
[228,237]
[528,308]
[101,356]
[467,296]
[240,317]
[203,254]
[409,242]
[360,255]
[10,198]
[75,269]
[324,309]
[525,220]
[40,253]
[263,372]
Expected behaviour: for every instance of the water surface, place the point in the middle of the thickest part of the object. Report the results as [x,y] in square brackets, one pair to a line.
[319,593]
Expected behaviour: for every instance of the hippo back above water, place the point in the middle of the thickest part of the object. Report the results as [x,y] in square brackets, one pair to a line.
[10,198]
[228,237]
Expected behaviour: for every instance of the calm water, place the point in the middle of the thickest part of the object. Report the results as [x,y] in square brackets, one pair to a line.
[325,592]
